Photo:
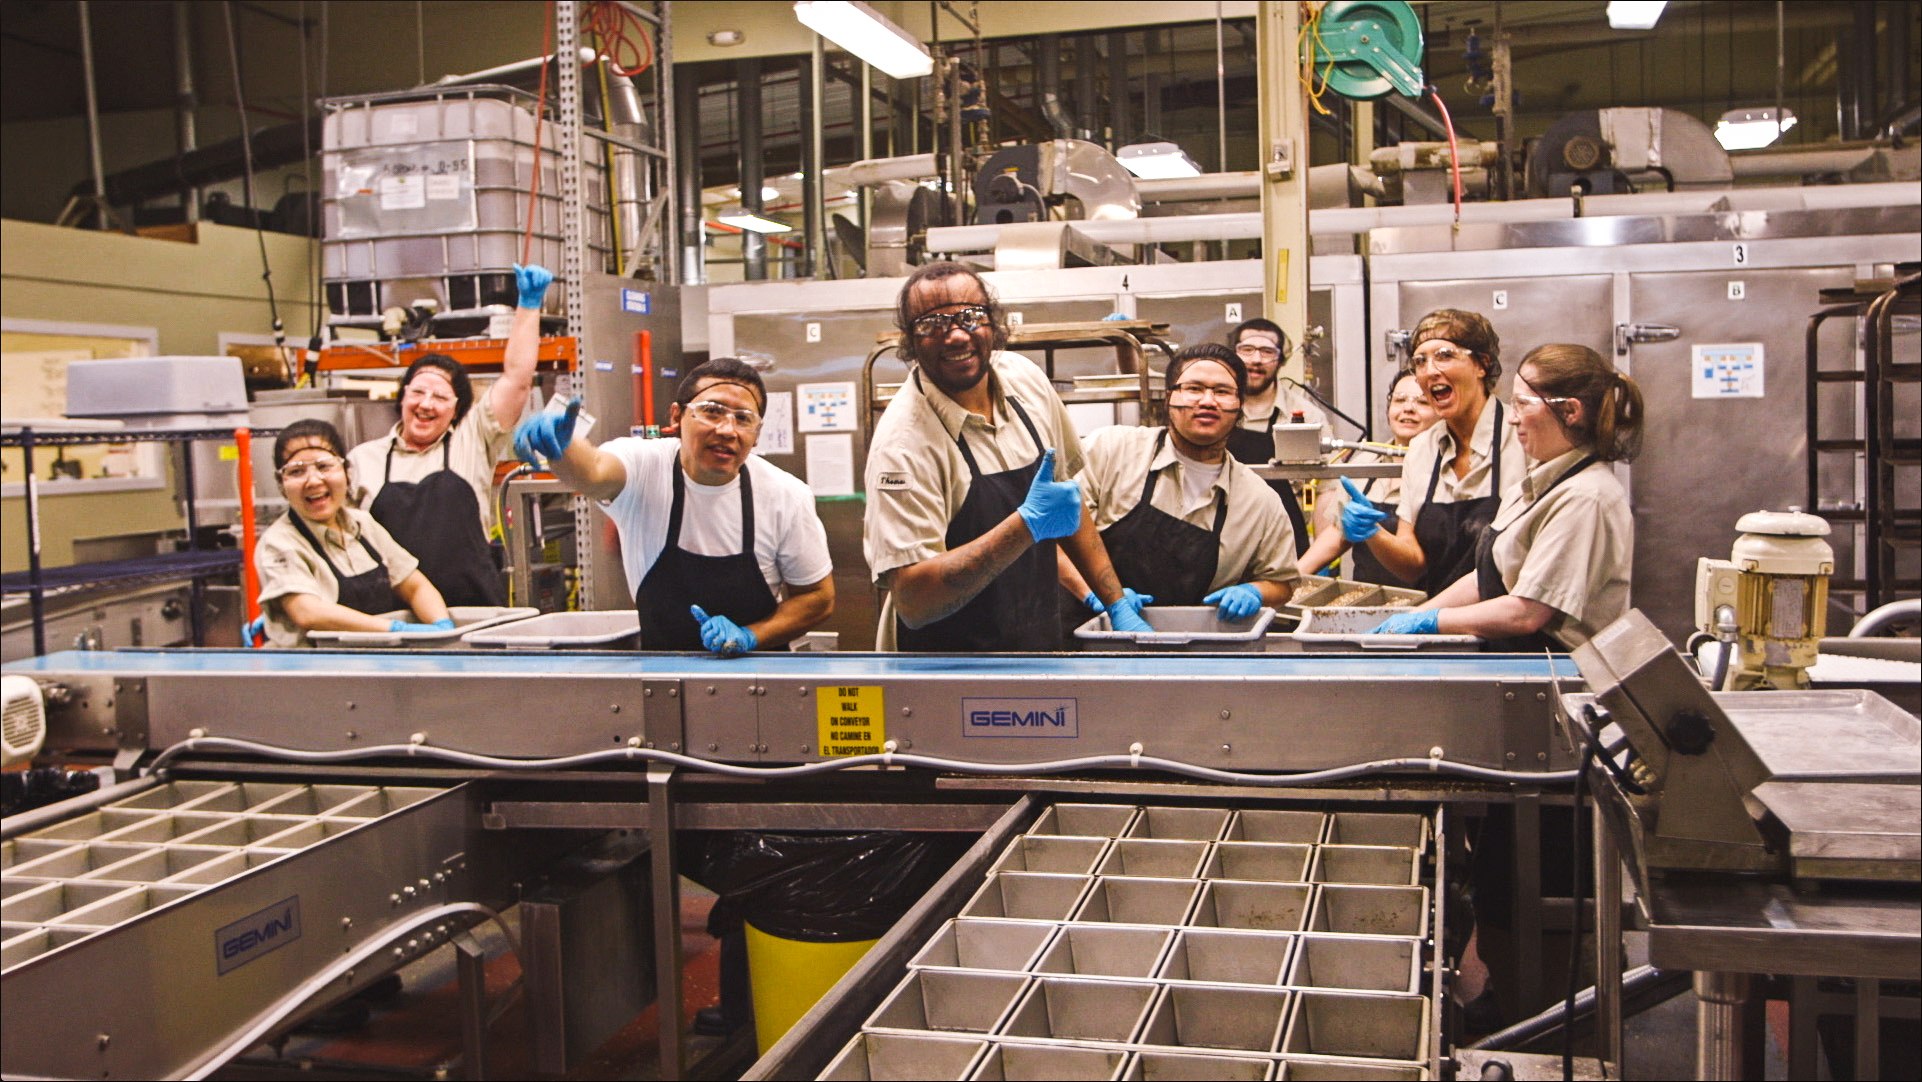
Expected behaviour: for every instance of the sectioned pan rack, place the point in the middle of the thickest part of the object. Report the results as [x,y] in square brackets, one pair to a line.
[1119,941]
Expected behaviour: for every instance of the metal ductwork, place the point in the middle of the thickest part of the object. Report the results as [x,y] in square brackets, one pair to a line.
[1020,184]
[1603,152]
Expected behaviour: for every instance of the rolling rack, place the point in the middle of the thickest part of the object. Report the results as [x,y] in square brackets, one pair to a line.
[196,564]
[1889,523]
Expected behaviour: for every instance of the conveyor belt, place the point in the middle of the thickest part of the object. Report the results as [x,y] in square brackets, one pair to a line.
[1239,712]
[829,667]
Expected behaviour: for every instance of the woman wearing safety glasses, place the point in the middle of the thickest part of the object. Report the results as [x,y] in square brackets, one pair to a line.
[325,566]
[430,481]
[1554,566]
[1455,474]
[725,551]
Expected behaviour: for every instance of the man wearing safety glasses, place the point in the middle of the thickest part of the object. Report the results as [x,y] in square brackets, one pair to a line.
[966,489]
[727,556]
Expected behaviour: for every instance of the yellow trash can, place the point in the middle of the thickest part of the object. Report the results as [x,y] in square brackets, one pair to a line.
[787,977]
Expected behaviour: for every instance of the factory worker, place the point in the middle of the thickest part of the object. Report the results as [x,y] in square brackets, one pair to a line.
[1263,348]
[1409,415]
[726,550]
[1553,568]
[967,490]
[1182,520]
[430,481]
[1455,474]
[325,566]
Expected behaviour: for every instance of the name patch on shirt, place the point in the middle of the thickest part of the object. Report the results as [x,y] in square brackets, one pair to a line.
[893,482]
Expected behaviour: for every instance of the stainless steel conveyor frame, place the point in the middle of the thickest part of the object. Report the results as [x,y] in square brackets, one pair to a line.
[656,722]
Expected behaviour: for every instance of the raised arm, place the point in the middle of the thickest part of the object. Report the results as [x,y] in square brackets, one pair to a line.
[508,397]
[580,465]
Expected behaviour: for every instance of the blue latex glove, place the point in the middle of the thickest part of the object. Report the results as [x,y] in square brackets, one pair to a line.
[1235,602]
[1360,518]
[1093,601]
[532,282]
[254,631]
[445,623]
[722,635]
[1125,613]
[1419,622]
[407,628]
[1053,508]
[547,434]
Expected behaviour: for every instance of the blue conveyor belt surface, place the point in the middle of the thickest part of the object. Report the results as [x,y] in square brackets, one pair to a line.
[810,666]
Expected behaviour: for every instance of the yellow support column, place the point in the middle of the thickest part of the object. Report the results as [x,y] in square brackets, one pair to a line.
[1284,170]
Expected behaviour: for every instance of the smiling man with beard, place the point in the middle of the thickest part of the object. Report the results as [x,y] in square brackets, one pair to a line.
[725,549]
[1182,520]
[964,508]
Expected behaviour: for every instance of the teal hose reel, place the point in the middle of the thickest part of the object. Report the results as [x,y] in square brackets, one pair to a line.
[1369,48]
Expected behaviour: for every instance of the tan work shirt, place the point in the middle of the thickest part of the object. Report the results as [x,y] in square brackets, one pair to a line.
[916,479]
[1434,448]
[1257,542]
[474,446]
[1571,548]
[288,565]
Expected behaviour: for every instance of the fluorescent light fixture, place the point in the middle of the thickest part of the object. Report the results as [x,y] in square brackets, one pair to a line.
[767,193]
[1751,129]
[866,33]
[1635,14]
[754,222]
[1157,161]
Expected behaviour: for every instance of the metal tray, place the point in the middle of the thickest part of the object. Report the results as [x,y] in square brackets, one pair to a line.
[1348,627]
[1178,627]
[466,618]
[605,629]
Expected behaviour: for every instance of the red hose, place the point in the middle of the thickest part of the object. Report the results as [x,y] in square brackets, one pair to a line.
[1454,151]
[540,122]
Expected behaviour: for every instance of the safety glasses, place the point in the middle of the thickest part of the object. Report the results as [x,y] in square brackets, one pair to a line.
[715,414]
[936,324]
[298,472]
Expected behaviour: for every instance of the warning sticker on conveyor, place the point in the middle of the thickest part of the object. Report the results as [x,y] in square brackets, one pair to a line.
[852,720]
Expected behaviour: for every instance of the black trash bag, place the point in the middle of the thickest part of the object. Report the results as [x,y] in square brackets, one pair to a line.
[25,790]
[817,888]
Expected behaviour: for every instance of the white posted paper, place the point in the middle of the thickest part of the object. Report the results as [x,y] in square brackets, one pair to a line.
[831,465]
[1726,370]
[827,407]
[402,193]
[777,429]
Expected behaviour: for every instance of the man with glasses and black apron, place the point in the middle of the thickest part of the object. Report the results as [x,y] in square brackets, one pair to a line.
[1263,348]
[725,550]
[964,508]
[1182,520]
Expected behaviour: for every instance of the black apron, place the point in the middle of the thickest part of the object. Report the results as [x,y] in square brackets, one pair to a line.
[1488,581]
[367,592]
[1362,565]
[730,586]
[1449,532]
[1256,447]
[1018,610]
[438,520]
[1156,553]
